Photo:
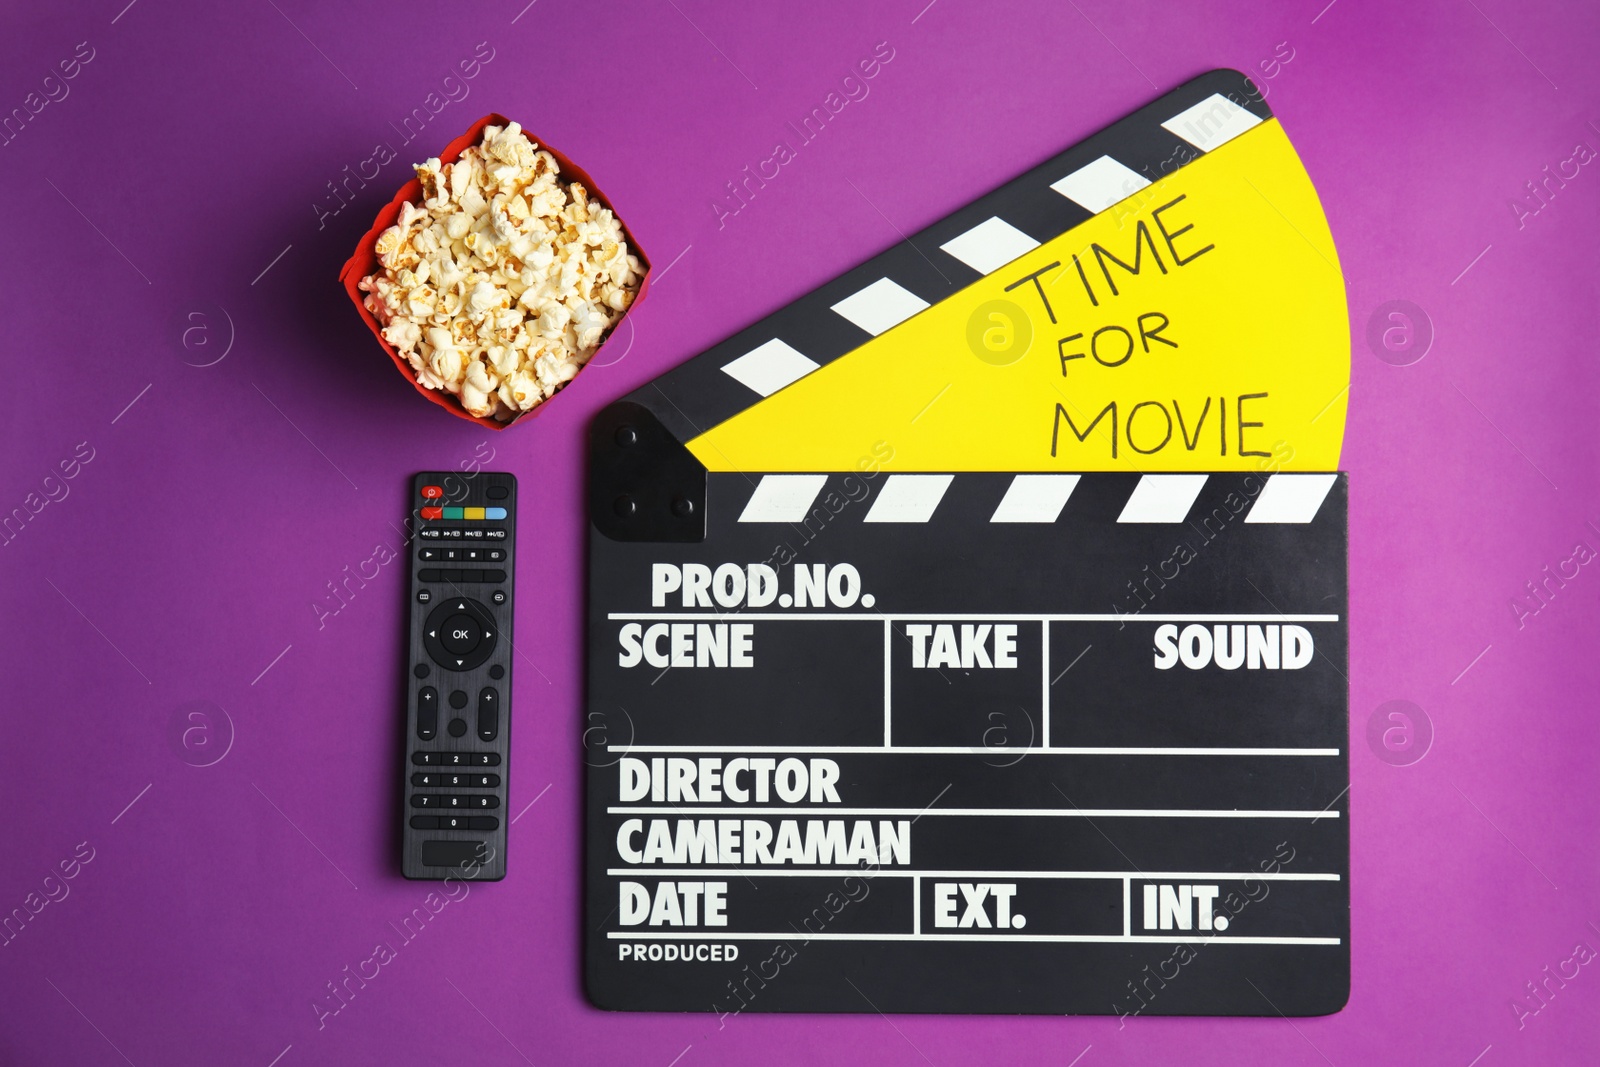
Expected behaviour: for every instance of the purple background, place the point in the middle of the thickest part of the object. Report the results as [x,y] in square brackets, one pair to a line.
[184,563]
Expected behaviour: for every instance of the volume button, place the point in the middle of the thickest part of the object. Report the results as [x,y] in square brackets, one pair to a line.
[488,714]
[427,713]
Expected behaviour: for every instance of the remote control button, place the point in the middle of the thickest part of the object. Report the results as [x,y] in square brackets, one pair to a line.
[432,492]
[486,759]
[428,533]
[453,853]
[428,553]
[425,781]
[432,513]
[472,555]
[472,533]
[421,670]
[425,759]
[460,634]
[489,576]
[456,759]
[458,699]
[497,672]
[454,802]
[451,554]
[494,514]
[488,714]
[497,492]
[494,555]
[427,822]
[453,822]
[458,727]
[430,574]
[474,514]
[481,802]
[498,597]
[495,535]
[452,513]
[483,822]
[483,781]
[423,596]
[455,781]
[424,800]
[427,713]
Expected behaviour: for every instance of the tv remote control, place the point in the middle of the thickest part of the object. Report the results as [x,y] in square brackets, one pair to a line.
[458,675]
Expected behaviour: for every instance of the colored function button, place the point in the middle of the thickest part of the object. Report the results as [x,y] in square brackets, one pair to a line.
[474,513]
[493,513]
[451,513]
[435,513]
[432,492]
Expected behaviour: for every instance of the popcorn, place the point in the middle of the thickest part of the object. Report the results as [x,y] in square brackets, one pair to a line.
[500,286]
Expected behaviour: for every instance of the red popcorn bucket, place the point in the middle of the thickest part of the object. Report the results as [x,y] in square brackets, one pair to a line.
[364,261]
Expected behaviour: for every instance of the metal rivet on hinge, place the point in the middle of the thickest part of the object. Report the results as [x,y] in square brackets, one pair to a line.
[624,507]
[626,435]
[682,507]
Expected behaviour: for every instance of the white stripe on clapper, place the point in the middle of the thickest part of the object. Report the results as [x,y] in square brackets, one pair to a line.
[909,498]
[783,497]
[1162,498]
[769,367]
[1211,123]
[1291,498]
[1100,184]
[990,245]
[1035,498]
[880,306]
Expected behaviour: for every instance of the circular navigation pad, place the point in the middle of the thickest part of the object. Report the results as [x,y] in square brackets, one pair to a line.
[460,634]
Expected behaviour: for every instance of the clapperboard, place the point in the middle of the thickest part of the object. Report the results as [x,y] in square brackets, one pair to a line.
[970,635]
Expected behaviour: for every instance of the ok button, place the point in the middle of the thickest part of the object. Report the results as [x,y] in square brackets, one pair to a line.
[460,634]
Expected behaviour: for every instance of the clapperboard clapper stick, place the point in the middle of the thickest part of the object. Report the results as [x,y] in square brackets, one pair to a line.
[970,635]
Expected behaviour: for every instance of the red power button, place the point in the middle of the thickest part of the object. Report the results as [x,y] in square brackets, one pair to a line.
[432,492]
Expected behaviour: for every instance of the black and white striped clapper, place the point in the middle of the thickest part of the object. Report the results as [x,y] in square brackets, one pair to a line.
[976,741]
